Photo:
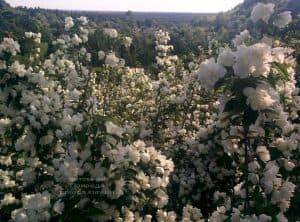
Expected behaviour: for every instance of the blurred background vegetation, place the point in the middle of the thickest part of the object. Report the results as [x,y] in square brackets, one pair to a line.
[188,31]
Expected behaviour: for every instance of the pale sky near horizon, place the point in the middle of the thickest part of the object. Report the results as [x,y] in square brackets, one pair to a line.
[208,6]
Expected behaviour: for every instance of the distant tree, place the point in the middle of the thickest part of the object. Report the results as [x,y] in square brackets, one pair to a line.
[294,6]
[129,13]
[3,4]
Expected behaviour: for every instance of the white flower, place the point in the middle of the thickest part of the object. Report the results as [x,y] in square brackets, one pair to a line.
[143,180]
[134,155]
[69,23]
[270,176]
[286,146]
[263,153]
[288,165]
[264,218]
[68,169]
[112,60]
[162,37]
[5,160]
[226,57]
[281,218]
[127,42]
[58,207]
[260,98]
[113,129]
[239,191]
[283,19]
[241,38]
[75,95]
[191,213]
[6,180]
[145,157]
[36,201]
[148,218]
[254,178]
[25,142]
[255,131]
[35,36]
[253,166]
[4,124]
[35,208]
[162,200]
[18,69]
[112,33]
[84,20]
[101,55]
[119,188]
[76,40]
[8,199]
[68,122]
[210,72]
[19,215]
[28,35]
[10,46]
[262,12]
[282,196]
[279,54]
[253,60]
[26,175]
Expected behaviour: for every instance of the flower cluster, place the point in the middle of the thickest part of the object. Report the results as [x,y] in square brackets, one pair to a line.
[112,33]
[216,139]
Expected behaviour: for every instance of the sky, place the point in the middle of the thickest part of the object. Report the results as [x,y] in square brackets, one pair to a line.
[207,6]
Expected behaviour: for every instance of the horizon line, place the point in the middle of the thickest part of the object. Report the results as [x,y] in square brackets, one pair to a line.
[119,11]
[134,6]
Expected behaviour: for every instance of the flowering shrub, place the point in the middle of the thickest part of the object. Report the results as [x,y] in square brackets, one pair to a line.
[213,140]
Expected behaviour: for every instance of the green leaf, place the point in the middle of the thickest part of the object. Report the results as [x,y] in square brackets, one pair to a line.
[221,83]
[240,84]
[236,105]
[82,138]
[282,69]
[259,200]
[250,117]
[92,211]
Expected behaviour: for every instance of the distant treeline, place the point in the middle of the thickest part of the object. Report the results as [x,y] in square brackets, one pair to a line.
[188,31]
